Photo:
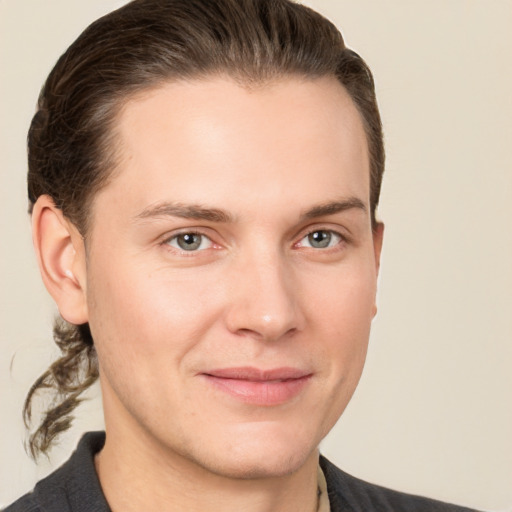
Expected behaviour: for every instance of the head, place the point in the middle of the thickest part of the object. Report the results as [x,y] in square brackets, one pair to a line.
[179,60]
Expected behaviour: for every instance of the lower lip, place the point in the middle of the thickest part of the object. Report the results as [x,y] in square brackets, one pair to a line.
[265,393]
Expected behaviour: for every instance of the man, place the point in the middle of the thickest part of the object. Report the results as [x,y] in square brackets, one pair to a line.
[203,179]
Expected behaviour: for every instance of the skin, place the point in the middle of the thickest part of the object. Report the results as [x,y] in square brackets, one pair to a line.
[257,292]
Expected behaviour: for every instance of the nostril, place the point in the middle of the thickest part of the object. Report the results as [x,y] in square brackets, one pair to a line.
[266,334]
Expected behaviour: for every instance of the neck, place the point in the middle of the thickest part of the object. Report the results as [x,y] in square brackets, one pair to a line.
[136,473]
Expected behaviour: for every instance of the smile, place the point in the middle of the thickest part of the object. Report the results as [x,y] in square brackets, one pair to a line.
[259,387]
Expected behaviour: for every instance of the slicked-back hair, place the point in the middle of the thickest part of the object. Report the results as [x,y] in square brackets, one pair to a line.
[72,143]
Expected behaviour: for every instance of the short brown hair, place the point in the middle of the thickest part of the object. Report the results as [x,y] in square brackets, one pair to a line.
[71,145]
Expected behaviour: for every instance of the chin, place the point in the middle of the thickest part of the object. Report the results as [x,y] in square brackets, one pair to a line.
[259,466]
[275,454]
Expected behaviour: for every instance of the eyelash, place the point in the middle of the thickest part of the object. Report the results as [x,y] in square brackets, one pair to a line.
[168,241]
[331,234]
[339,239]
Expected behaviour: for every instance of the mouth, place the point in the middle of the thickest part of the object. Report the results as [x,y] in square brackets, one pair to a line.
[259,387]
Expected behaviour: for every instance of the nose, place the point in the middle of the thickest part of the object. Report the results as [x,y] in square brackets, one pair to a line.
[265,301]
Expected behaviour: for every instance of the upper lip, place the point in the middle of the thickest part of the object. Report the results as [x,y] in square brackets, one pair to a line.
[258,375]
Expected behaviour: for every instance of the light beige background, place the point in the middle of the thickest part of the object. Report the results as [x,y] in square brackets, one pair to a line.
[433,413]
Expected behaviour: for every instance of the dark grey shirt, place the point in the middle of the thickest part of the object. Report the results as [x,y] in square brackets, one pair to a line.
[75,487]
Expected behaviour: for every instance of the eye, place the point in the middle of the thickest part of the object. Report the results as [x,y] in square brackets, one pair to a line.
[190,242]
[321,239]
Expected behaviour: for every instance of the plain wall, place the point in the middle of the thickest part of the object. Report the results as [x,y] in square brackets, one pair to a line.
[433,412]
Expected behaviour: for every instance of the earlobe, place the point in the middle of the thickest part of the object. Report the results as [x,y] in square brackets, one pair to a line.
[61,257]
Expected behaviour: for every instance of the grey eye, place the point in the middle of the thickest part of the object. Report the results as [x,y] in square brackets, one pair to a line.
[190,242]
[320,239]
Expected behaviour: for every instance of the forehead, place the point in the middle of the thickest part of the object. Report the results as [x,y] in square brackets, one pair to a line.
[209,137]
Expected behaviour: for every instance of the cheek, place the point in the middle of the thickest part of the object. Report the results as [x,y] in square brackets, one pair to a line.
[343,311]
[344,304]
[147,328]
[141,316]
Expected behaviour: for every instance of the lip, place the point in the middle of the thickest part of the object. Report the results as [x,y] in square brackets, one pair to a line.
[257,386]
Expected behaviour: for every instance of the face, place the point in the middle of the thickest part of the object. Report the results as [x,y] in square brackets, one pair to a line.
[231,271]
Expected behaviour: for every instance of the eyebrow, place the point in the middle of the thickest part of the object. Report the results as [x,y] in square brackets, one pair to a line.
[185,211]
[199,212]
[334,207]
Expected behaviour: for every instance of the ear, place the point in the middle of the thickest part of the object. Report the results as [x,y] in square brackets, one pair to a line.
[60,252]
[378,236]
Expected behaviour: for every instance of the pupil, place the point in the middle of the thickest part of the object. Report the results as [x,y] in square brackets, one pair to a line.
[189,241]
[320,239]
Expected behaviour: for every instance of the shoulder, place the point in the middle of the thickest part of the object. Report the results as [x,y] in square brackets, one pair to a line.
[26,503]
[74,487]
[49,494]
[348,493]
